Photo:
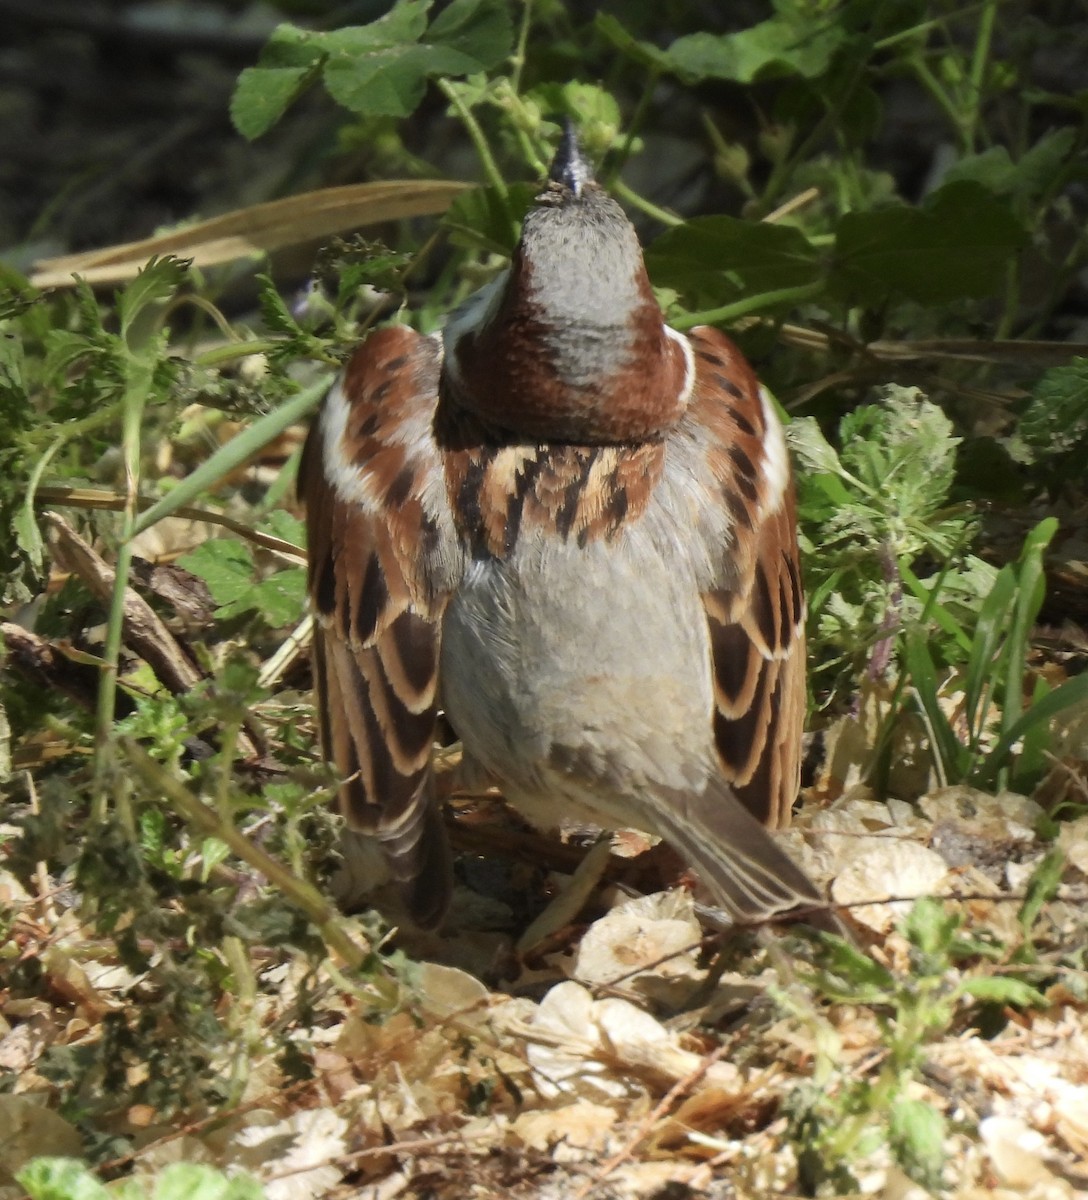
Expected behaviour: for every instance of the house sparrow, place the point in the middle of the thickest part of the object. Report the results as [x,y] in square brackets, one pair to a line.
[572,529]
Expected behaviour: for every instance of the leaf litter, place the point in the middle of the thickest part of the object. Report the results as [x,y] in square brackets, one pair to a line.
[536,1085]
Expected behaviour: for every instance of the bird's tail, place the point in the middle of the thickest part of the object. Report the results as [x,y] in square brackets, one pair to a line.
[750,875]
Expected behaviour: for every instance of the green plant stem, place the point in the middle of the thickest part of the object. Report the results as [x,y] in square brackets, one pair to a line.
[517,60]
[979,61]
[751,304]
[212,824]
[134,402]
[476,135]
[634,125]
[647,206]
[933,86]
[219,355]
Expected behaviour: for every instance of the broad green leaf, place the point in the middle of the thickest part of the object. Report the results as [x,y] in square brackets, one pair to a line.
[956,246]
[280,599]
[1036,170]
[391,82]
[293,56]
[225,565]
[807,441]
[787,44]
[715,257]
[287,66]
[263,94]
[479,29]
[1056,420]
[404,24]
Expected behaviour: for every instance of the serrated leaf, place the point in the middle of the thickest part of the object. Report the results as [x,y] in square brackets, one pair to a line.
[274,311]
[903,450]
[1056,419]
[806,440]
[158,280]
[715,257]
[226,566]
[281,598]
[956,246]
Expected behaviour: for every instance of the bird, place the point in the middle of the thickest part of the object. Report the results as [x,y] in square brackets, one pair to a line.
[571,529]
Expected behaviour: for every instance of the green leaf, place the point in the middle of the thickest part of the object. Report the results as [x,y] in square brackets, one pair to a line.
[234,453]
[646,54]
[1042,888]
[289,63]
[816,453]
[382,68]
[193,1181]
[1072,693]
[930,927]
[263,94]
[225,565]
[1030,590]
[1003,989]
[481,218]
[985,646]
[280,599]
[481,30]
[159,280]
[946,749]
[917,1132]
[1034,173]
[788,44]
[1056,420]
[60,1179]
[956,246]
[902,451]
[712,257]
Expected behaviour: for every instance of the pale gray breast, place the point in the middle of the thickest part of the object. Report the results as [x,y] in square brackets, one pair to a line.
[593,660]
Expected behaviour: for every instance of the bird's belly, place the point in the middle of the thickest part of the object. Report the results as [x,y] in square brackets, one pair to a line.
[585,670]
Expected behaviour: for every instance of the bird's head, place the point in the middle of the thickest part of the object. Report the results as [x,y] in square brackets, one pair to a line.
[569,344]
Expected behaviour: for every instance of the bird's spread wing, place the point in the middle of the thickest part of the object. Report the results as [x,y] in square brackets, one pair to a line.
[382,553]
[754,605]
